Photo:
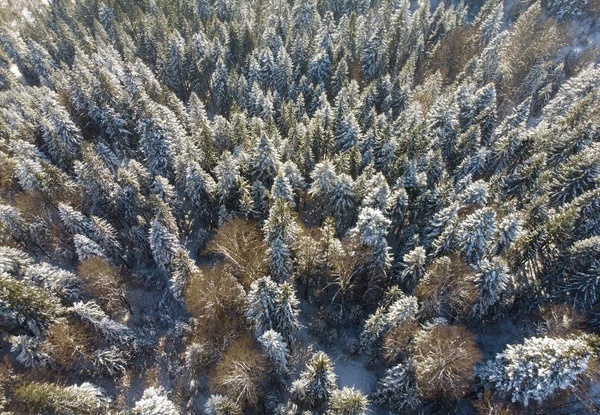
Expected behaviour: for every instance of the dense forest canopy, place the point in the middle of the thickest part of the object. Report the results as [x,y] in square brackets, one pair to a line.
[337,207]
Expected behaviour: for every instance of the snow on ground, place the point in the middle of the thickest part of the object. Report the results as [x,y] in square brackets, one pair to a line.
[352,372]
[494,337]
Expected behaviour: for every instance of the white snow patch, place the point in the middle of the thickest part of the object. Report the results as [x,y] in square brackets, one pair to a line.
[352,372]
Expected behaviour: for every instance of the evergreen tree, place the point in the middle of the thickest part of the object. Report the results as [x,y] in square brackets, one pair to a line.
[320,69]
[14,261]
[282,190]
[398,389]
[567,9]
[385,318]
[220,90]
[347,133]
[23,304]
[276,350]
[57,281]
[42,63]
[221,405]
[262,304]
[414,266]
[62,137]
[475,234]
[373,58]
[85,399]
[343,199]
[29,351]
[281,261]
[13,223]
[493,281]
[200,188]
[348,401]
[157,139]
[154,401]
[398,208]
[92,314]
[174,68]
[538,368]
[264,162]
[86,248]
[324,179]
[163,243]
[372,228]
[281,224]
[317,382]
[375,326]
[378,194]
[287,312]
[232,190]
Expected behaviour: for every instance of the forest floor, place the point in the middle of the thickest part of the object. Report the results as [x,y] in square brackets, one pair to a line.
[350,370]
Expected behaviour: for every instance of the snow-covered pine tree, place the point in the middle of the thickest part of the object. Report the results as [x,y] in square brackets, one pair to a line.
[264,162]
[262,304]
[320,69]
[287,311]
[475,234]
[343,199]
[42,63]
[509,229]
[378,193]
[231,188]
[43,397]
[538,368]
[200,188]
[398,388]
[163,243]
[375,326]
[414,266]
[347,132]
[276,350]
[30,351]
[324,179]
[221,405]
[348,401]
[155,401]
[402,310]
[475,194]
[373,59]
[567,9]
[283,190]
[317,382]
[398,208]
[493,281]
[86,248]
[62,137]
[91,313]
[385,318]
[281,224]
[281,261]
[174,67]
[14,261]
[110,360]
[22,304]
[220,90]
[372,228]
[57,281]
